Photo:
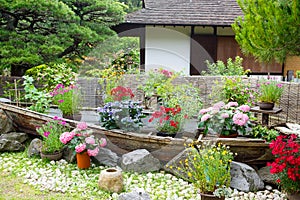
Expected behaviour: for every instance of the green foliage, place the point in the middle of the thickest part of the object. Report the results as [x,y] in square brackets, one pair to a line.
[264,132]
[270,91]
[49,76]
[11,91]
[233,68]
[269,29]
[132,5]
[40,100]
[234,89]
[36,32]
[50,132]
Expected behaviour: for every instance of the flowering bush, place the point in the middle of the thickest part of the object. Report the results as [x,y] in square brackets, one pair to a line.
[207,166]
[225,119]
[286,166]
[126,115]
[50,132]
[81,140]
[168,119]
[270,91]
[67,99]
[120,93]
[236,90]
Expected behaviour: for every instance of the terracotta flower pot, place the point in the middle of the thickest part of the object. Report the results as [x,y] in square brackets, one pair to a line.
[83,160]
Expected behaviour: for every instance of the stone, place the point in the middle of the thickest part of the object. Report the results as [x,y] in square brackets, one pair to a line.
[244,178]
[34,148]
[175,163]
[11,145]
[6,124]
[139,161]
[106,157]
[69,155]
[17,136]
[137,194]
[111,180]
[266,176]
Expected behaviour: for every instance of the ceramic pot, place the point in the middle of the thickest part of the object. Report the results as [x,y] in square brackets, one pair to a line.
[210,197]
[111,180]
[76,117]
[164,134]
[52,156]
[83,160]
[266,105]
[294,196]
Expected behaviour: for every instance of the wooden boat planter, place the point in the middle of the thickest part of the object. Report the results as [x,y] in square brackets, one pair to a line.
[250,151]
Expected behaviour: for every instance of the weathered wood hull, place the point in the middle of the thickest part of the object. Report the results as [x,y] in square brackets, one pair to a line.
[250,151]
[163,148]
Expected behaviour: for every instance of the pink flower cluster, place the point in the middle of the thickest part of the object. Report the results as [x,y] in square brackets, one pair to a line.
[223,118]
[81,140]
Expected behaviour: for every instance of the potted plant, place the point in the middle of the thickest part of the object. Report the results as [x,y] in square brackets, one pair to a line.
[207,166]
[83,144]
[269,94]
[50,132]
[67,98]
[225,119]
[168,120]
[286,166]
[124,113]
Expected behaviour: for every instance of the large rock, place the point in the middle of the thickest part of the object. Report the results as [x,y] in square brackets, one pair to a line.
[106,157]
[245,178]
[34,148]
[137,194]
[11,145]
[266,176]
[6,124]
[172,165]
[15,136]
[111,180]
[140,161]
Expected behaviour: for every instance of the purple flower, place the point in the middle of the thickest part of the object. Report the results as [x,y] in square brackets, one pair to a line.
[46,133]
[279,85]
[240,119]
[61,101]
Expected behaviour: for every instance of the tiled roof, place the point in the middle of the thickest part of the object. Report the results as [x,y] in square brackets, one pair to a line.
[186,12]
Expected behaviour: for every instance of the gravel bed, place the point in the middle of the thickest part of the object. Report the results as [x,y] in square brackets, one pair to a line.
[63,177]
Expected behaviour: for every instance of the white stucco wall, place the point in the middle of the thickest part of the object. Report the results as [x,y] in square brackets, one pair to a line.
[168,47]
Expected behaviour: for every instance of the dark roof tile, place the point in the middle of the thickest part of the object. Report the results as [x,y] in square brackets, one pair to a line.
[186,12]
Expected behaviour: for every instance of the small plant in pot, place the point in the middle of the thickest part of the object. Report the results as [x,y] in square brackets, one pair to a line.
[226,120]
[83,143]
[68,100]
[168,120]
[51,132]
[269,94]
[207,166]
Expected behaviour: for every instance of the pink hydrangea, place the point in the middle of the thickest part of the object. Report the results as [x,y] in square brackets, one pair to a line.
[90,140]
[82,126]
[244,108]
[240,119]
[80,148]
[93,152]
[232,104]
[203,111]
[205,117]
[219,105]
[103,142]
[224,115]
[66,137]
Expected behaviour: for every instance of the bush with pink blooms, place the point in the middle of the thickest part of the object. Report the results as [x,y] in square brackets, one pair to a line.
[81,140]
[225,119]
